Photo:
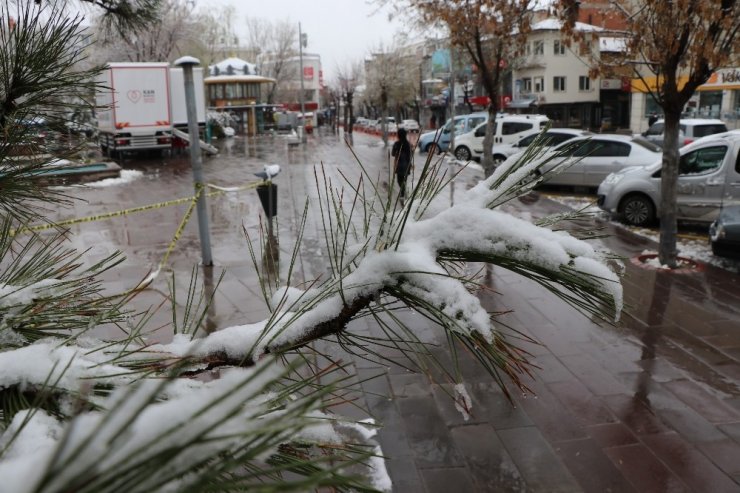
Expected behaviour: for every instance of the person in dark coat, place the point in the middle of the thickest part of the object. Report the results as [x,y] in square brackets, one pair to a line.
[401,153]
[652,119]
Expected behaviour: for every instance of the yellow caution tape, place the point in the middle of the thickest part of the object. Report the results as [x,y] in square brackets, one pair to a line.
[98,217]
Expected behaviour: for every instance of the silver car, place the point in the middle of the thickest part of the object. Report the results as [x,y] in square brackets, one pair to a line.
[585,161]
[552,137]
[709,175]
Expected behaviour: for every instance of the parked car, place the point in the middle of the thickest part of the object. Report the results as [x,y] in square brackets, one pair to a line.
[586,161]
[440,138]
[724,232]
[409,125]
[551,138]
[709,175]
[690,129]
[360,123]
[509,128]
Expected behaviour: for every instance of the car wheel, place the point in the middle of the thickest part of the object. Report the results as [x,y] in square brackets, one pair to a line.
[462,153]
[498,159]
[637,210]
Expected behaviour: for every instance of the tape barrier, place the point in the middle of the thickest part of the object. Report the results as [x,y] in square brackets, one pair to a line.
[217,190]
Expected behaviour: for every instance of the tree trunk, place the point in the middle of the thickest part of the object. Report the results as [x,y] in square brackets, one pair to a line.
[668,188]
[350,111]
[488,166]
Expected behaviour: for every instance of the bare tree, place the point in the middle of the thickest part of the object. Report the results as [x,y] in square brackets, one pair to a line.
[216,34]
[279,42]
[384,76]
[349,76]
[678,45]
[485,30]
[160,40]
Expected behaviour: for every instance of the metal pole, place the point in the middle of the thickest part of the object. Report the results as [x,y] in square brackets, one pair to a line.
[187,64]
[452,98]
[303,106]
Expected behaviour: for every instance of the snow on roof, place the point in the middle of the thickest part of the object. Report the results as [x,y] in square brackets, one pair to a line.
[617,45]
[233,65]
[553,24]
[237,78]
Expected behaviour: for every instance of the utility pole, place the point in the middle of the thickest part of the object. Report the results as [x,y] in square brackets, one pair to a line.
[302,42]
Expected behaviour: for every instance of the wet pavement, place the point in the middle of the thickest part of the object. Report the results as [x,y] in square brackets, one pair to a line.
[650,404]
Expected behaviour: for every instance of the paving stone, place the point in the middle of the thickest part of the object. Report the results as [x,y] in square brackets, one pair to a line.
[585,406]
[643,470]
[491,467]
[538,464]
[445,480]
[591,467]
[693,467]
[427,434]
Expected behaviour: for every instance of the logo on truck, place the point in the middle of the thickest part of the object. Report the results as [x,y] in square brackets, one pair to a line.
[134,95]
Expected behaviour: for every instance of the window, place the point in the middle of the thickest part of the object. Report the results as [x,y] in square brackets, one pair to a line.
[558,47]
[527,49]
[474,122]
[584,83]
[538,47]
[702,160]
[601,148]
[558,84]
[555,138]
[585,48]
[510,128]
[539,84]
[527,85]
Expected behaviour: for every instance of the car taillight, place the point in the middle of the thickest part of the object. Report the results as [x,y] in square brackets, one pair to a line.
[164,140]
[687,141]
[122,142]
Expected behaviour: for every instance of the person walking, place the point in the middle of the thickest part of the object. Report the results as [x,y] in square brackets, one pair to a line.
[401,153]
[652,119]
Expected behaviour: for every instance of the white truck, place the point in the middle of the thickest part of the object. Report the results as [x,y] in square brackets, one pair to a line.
[177,98]
[139,104]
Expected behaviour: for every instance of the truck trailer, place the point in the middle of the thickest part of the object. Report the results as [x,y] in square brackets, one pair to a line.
[139,104]
[134,107]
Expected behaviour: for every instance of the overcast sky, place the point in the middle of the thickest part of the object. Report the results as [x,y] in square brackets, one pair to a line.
[340,31]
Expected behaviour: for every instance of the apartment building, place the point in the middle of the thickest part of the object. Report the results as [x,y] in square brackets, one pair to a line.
[553,78]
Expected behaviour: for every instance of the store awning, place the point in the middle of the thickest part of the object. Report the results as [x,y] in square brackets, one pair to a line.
[522,103]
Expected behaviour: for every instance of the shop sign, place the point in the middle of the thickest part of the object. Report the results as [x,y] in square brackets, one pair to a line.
[611,84]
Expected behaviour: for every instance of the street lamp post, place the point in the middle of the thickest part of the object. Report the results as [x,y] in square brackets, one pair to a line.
[302,41]
[187,63]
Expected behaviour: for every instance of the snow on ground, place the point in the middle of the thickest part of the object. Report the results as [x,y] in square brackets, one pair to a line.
[692,246]
[127,176]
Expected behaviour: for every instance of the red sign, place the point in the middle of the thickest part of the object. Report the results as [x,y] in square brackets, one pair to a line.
[626,84]
[308,73]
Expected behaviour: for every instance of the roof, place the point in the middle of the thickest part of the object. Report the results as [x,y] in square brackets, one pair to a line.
[220,79]
[237,65]
[553,24]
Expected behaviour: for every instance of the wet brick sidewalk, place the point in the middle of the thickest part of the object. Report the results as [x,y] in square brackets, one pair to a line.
[650,404]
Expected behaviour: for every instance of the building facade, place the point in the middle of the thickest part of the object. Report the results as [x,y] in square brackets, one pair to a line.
[554,79]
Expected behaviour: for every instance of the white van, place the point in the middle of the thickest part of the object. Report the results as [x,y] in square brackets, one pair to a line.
[509,129]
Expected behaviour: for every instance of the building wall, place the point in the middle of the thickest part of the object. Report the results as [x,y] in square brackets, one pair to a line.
[548,65]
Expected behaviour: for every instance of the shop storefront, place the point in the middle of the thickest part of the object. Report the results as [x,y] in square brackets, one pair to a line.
[718,98]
